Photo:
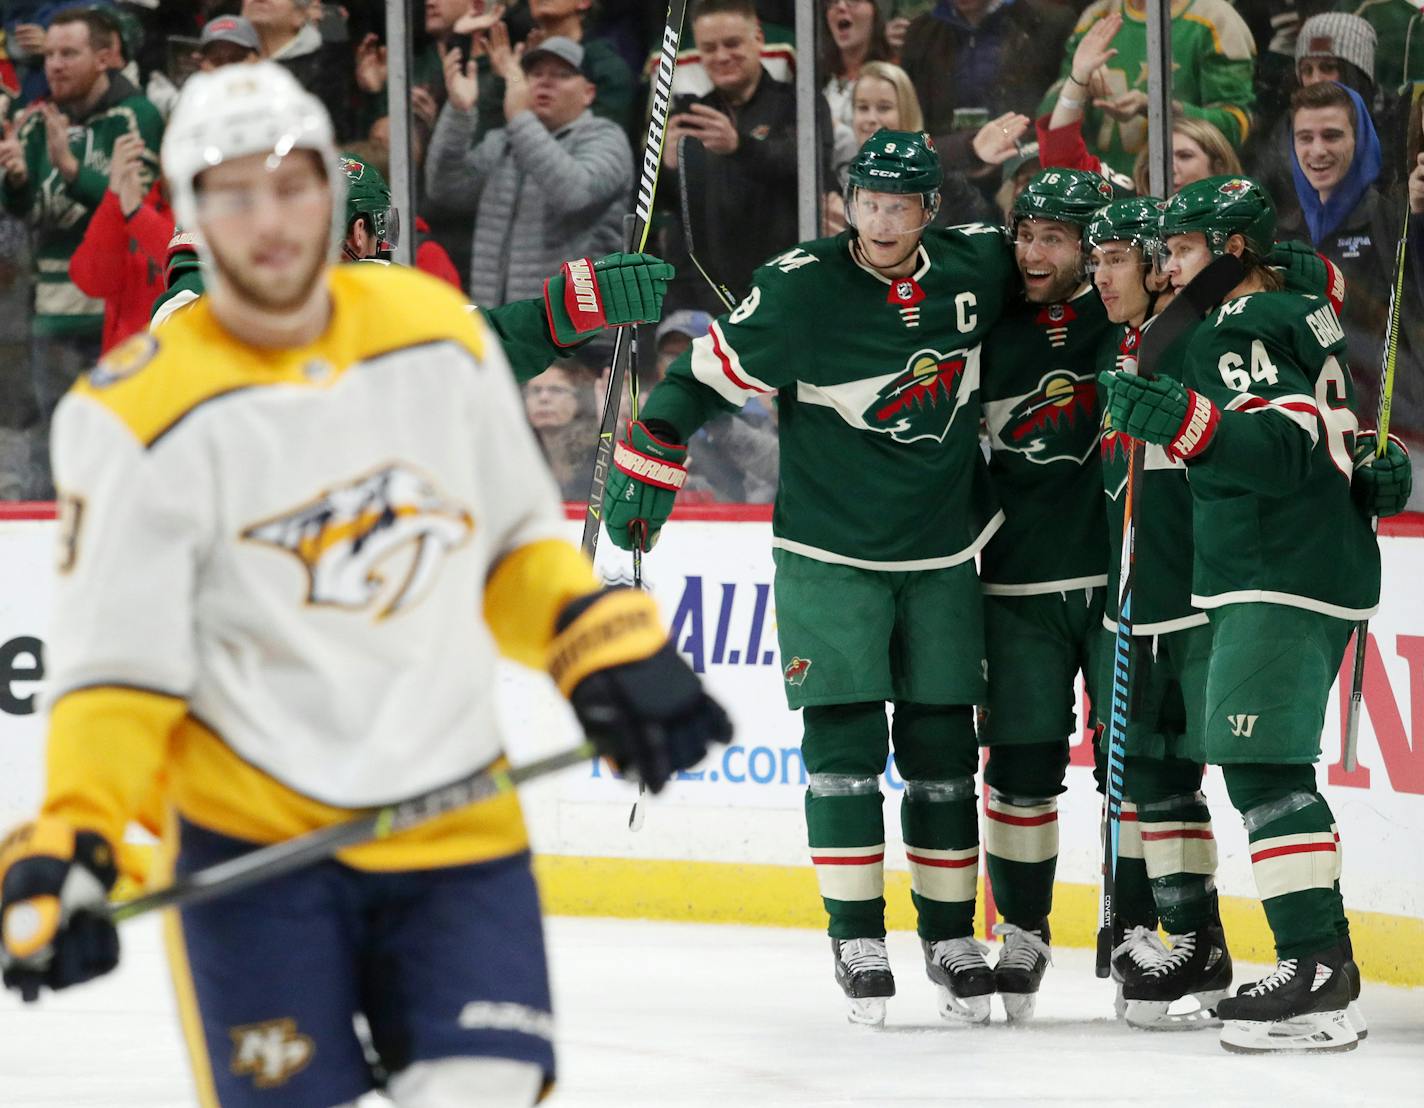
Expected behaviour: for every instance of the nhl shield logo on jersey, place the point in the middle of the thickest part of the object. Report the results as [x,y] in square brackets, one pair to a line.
[922,401]
[271,1052]
[377,540]
[796,670]
[1056,422]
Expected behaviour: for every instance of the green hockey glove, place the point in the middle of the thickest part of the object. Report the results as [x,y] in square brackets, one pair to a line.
[1162,411]
[1309,273]
[647,472]
[1381,486]
[587,296]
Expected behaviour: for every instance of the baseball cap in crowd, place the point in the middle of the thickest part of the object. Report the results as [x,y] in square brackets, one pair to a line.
[1338,35]
[1027,155]
[565,49]
[693,324]
[230,28]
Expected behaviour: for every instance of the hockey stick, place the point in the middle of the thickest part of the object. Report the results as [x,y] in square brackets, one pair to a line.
[691,158]
[265,863]
[1189,307]
[642,214]
[1350,757]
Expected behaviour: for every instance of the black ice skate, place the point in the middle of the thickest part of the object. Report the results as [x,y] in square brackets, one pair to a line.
[863,973]
[1297,1009]
[1198,966]
[963,980]
[1020,968]
[1135,951]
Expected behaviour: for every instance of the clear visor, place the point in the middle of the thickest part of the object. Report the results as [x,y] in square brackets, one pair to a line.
[387,228]
[889,215]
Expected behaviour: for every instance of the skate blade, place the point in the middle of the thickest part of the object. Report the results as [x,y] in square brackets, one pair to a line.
[1195,1012]
[1119,1004]
[866,1011]
[1018,1007]
[1357,1021]
[1316,1033]
[964,1010]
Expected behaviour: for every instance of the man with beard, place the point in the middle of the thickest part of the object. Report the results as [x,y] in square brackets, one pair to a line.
[1045,569]
[870,342]
[299,522]
[55,160]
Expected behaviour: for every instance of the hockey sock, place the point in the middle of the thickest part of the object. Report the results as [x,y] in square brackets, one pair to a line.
[1133,905]
[1178,848]
[845,747]
[1021,827]
[1294,854]
[936,754]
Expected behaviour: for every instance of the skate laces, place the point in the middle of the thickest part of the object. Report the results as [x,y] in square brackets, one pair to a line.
[1143,946]
[865,955]
[959,954]
[1183,947]
[1022,948]
[1284,972]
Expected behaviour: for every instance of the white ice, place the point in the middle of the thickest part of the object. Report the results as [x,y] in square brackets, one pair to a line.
[738,1017]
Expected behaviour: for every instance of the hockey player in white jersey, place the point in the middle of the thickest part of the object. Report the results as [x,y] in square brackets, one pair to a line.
[297,525]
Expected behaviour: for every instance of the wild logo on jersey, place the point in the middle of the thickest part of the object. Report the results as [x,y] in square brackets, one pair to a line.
[1057,422]
[921,402]
[349,535]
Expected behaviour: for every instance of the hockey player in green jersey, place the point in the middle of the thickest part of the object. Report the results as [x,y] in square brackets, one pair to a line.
[870,341]
[1284,562]
[1043,600]
[1166,847]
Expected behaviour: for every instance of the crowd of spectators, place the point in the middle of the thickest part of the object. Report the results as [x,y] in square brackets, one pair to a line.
[527,118]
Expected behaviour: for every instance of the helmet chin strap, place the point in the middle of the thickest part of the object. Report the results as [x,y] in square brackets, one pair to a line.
[901,260]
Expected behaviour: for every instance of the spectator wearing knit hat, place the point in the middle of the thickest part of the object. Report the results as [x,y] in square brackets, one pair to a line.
[1330,47]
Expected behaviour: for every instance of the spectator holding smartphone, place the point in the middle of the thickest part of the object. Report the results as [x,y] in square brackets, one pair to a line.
[748,125]
[125,247]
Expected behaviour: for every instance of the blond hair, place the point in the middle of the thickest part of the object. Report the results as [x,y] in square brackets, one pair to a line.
[1219,152]
[911,117]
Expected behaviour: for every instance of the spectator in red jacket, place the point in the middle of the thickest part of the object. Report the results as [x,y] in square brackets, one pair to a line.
[125,247]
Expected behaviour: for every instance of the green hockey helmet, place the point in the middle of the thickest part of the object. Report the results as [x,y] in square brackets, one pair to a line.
[897,161]
[1220,207]
[369,197]
[1131,220]
[1068,195]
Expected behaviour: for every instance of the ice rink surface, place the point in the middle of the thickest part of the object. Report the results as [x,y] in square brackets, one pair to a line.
[655,1014]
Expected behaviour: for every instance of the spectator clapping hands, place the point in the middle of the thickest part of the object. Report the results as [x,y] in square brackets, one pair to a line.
[126,173]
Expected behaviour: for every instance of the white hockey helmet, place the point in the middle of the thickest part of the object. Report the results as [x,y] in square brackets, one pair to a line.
[239,110]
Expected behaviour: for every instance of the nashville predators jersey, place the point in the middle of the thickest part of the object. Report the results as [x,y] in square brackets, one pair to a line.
[274,563]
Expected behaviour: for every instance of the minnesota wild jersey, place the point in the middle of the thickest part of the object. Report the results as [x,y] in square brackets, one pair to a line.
[877,387]
[1039,388]
[1272,514]
[1162,591]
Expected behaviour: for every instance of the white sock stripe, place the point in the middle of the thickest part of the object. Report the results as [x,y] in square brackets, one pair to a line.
[944,875]
[1172,855]
[1293,863]
[850,872]
[1019,834]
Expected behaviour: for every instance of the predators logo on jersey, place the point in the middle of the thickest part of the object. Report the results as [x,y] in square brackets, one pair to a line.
[1056,422]
[921,402]
[349,539]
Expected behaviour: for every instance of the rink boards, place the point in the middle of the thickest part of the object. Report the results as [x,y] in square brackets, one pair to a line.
[727,841]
